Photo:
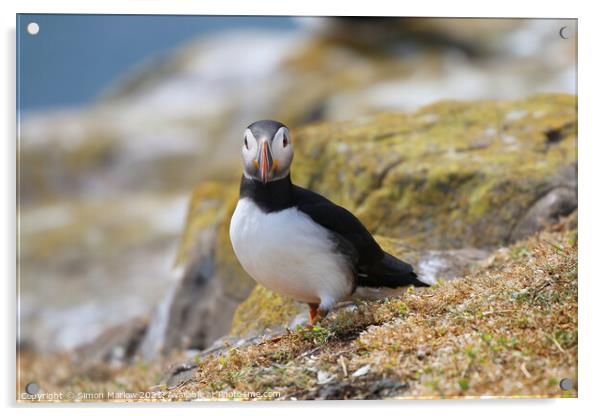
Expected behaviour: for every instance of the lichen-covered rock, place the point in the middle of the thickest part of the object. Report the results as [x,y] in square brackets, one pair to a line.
[450,175]
[264,309]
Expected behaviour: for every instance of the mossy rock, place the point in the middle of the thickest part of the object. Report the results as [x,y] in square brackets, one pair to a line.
[448,176]
[264,309]
[206,237]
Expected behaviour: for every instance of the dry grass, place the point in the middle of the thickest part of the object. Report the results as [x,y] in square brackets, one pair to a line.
[59,373]
[509,329]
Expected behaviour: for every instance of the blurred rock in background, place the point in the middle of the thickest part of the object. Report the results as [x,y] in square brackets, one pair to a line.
[104,189]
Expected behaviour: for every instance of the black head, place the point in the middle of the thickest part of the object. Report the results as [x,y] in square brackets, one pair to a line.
[265,128]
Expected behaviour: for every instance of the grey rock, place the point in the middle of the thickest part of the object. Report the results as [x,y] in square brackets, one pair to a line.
[448,264]
[364,389]
[116,346]
[548,209]
[179,374]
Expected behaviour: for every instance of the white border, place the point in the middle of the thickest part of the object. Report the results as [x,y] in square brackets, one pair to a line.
[308,7]
[590,152]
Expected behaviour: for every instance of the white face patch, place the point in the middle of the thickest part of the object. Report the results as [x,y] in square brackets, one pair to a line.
[249,151]
[282,151]
[287,252]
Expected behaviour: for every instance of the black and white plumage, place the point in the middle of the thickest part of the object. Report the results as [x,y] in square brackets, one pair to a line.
[295,241]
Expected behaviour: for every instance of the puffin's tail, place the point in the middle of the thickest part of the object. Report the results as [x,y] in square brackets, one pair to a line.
[390,272]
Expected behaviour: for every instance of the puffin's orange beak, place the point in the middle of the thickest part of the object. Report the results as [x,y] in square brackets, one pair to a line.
[265,161]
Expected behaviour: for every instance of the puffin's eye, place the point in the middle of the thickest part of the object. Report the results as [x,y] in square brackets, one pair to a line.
[246,143]
[285,141]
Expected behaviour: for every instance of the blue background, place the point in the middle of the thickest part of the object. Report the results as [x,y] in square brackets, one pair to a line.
[75,57]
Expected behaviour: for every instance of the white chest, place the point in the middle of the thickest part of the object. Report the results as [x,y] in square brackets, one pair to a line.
[290,254]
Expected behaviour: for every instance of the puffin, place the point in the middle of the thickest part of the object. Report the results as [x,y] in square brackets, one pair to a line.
[298,243]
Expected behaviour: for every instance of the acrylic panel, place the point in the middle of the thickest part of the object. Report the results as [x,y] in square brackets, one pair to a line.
[164,255]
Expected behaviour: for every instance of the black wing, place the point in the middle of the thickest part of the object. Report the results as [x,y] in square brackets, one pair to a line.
[357,242]
[373,266]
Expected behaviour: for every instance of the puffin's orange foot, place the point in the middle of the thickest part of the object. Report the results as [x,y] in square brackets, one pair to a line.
[315,314]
